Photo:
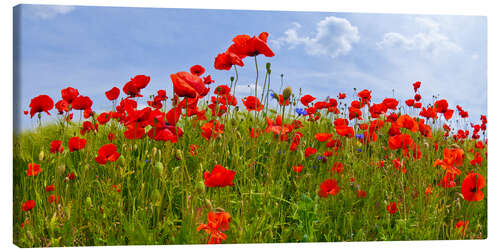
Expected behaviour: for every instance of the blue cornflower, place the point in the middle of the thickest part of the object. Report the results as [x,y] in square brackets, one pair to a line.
[360,136]
[147,161]
[359,150]
[301,111]
[272,95]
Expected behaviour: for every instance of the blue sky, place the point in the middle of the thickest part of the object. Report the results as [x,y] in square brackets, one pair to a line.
[95,48]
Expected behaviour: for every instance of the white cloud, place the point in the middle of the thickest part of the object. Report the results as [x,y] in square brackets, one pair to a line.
[431,41]
[334,36]
[246,90]
[50,11]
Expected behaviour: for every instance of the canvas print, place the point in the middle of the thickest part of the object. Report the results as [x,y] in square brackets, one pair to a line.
[157,126]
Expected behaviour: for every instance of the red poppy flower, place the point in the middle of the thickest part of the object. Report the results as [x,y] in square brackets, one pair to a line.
[50,188]
[103,118]
[33,169]
[322,137]
[252,103]
[416,86]
[328,187]
[134,86]
[62,106]
[298,168]
[417,97]
[28,205]
[365,96]
[71,176]
[462,225]
[134,132]
[226,60]
[117,188]
[472,185]
[244,45]
[338,167]
[410,102]
[53,199]
[222,90]
[208,80]
[197,70]
[217,223]
[188,85]
[361,193]
[392,207]
[391,103]
[82,103]
[219,177]
[69,94]
[56,146]
[107,153]
[113,93]
[212,129]
[342,96]
[405,121]
[310,151]
[305,100]
[41,103]
[76,143]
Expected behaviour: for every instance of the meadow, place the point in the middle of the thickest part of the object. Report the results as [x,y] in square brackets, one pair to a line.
[199,166]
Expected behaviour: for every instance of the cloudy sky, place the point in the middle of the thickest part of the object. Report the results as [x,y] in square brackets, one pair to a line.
[95,48]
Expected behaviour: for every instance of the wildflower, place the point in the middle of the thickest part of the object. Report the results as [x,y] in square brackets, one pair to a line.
[329,187]
[107,153]
[361,193]
[53,199]
[322,137]
[50,188]
[298,168]
[252,103]
[197,70]
[305,100]
[310,151]
[56,146]
[462,225]
[41,103]
[338,167]
[392,207]
[28,205]
[82,103]
[226,60]
[217,223]
[471,187]
[133,87]
[188,85]
[113,93]
[76,143]
[244,45]
[219,177]
[33,169]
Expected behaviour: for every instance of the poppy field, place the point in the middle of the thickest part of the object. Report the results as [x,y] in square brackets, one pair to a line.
[193,164]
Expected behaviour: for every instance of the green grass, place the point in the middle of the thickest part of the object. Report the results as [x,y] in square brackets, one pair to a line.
[163,198]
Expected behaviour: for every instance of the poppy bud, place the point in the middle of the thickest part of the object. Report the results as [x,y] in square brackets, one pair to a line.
[178,155]
[200,186]
[158,171]
[209,204]
[159,153]
[61,169]
[122,159]
[154,151]
[287,92]
[41,155]
[88,201]
[268,67]
[156,197]
[231,78]
[135,146]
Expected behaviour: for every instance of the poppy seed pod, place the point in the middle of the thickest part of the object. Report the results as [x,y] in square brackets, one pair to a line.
[158,171]
[41,155]
[268,67]
[287,92]
[61,169]
[200,187]
[154,151]
[88,201]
